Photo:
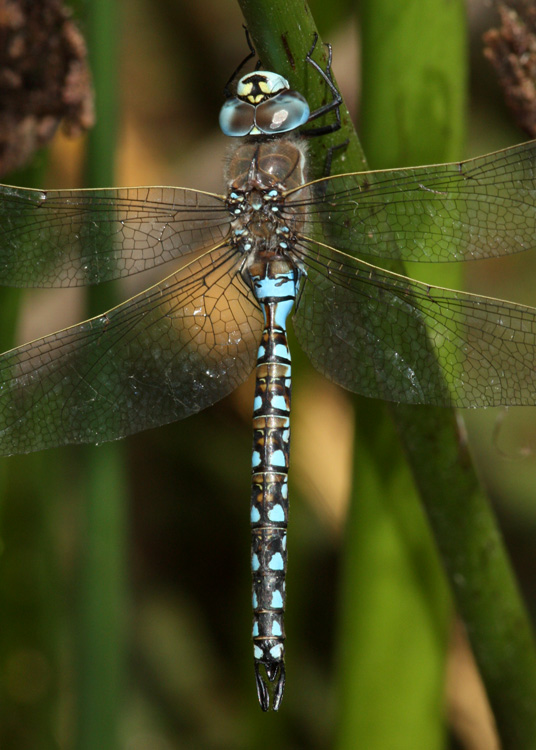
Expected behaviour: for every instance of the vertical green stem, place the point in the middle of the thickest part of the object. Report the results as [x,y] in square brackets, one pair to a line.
[102,593]
[396,608]
[414,82]
[414,91]
[102,601]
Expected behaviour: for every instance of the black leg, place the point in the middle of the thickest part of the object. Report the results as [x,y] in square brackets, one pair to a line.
[333,105]
[329,156]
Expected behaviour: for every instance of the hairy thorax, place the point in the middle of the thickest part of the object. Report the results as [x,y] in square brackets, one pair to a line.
[259,175]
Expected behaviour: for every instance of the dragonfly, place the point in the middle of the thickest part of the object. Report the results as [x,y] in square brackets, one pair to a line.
[274,245]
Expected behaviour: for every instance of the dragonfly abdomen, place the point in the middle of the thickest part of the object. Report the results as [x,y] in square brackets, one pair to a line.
[275,284]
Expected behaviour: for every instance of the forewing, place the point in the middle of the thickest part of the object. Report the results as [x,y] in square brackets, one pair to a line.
[167,353]
[387,336]
[77,237]
[480,208]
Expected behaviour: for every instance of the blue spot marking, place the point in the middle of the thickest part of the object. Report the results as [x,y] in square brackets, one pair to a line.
[279,402]
[276,628]
[255,515]
[257,403]
[255,564]
[276,514]
[280,288]
[255,629]
[286,436]
[284,541]
[255,459]
[262,351]
[280,350]
[278,459]
[284,490]
[257,652]
[277,600]
[254,600]
[276,651]
[276,563]
[283,309]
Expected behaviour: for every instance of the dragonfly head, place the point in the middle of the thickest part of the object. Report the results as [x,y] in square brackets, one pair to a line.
[264,105]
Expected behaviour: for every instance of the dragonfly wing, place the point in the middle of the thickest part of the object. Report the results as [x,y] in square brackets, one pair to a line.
[78,237]
[387,336]
[480,208]
[169,352]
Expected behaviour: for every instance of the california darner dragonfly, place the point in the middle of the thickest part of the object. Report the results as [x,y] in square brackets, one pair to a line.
[242,261]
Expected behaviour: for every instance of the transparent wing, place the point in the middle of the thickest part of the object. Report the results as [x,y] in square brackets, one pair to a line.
[167,353]
[479,208]
[387,336]
[77,237]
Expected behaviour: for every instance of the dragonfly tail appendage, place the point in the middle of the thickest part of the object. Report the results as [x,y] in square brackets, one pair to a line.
[275,672]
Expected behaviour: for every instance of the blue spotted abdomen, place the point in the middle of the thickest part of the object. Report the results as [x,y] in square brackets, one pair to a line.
[275,284]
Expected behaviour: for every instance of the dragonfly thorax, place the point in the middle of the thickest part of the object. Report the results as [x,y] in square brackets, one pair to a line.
[256,224]
[259,175]
[265,165]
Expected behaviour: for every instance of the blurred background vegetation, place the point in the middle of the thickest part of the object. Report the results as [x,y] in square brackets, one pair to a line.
[165,661]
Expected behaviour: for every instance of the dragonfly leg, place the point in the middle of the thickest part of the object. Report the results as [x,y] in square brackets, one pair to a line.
[322,186]
[333,105]
[329,156]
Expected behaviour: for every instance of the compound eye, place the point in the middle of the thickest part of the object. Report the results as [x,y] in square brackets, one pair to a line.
[237,118]
[282,113]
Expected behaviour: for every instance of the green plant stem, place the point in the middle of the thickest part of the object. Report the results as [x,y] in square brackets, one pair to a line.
[102,593]
[463,525]
[414,97]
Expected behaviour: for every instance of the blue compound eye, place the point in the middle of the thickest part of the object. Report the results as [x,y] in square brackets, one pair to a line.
[237,118]
[280,114]
[264,105]
[283,112]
